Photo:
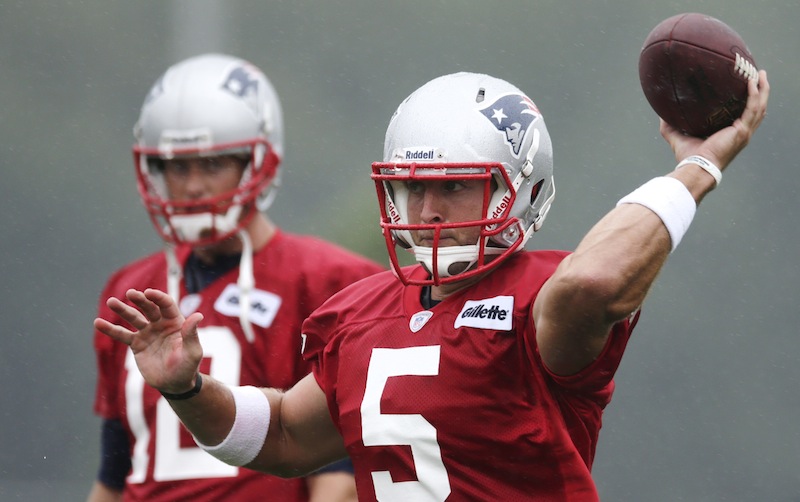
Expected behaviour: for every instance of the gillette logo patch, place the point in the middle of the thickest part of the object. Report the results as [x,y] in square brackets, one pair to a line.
[491,313]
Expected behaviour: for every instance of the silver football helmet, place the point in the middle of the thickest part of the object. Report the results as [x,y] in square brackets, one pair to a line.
[466,126]
[209,105]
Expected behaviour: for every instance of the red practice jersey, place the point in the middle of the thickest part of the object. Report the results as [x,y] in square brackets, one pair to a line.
[454,403]
[293,276]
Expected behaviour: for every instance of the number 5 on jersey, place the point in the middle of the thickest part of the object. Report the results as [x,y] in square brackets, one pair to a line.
[379,429]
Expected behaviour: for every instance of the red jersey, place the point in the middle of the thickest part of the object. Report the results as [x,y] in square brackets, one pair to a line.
[455,403]
[293,276]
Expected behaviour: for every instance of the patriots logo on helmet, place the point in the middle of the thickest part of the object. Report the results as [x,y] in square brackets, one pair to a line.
[512,116]
[241,82]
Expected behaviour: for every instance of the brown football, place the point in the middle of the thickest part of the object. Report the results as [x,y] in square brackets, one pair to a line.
[693,70]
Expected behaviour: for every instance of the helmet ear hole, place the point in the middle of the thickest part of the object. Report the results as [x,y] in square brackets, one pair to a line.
[535,190]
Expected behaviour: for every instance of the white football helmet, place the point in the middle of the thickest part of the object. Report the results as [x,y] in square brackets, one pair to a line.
[209,105]
[458,126]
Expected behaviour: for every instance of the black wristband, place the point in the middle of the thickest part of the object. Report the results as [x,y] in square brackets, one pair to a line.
[198,384]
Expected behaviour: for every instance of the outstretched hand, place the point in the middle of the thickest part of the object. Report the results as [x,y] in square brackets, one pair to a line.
[165,344]
[723,146]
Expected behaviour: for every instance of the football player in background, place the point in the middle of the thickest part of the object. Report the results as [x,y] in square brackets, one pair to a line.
[208,152]
[482,372]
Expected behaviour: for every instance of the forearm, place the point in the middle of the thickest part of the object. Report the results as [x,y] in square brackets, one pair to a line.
[288,434]
[625,250]
[613,267]
[632,245]
[210,414]
[233,424]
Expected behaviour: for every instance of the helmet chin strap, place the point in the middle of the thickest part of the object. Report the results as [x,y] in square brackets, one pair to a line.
[449,256]
[174,274]
[245,282]
[191,226]
[446,257]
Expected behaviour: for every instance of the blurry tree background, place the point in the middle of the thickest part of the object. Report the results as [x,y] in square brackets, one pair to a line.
[707,403]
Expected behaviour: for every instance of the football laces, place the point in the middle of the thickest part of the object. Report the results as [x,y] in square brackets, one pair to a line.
[745,68]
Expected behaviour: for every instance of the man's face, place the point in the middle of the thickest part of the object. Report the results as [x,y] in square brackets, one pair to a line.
[450,201]
[195,178]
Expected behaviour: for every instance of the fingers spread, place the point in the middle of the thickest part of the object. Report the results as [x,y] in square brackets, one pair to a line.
[116,332]
[131,315]
[163,302]
[150,310]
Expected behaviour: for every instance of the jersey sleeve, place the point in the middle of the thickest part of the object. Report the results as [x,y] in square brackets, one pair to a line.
[582,397]
[317,331]
[598,376]
[322,338]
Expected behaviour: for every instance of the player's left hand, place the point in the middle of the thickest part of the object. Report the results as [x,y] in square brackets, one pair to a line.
[723,146]
[165,344]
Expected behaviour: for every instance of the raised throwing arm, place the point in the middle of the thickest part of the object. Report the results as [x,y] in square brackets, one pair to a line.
[616,263]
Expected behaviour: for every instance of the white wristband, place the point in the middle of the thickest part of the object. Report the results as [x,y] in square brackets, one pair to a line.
[670,200]
[249,430]
[704,164]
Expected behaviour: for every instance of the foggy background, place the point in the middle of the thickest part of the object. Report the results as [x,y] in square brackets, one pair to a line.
[707,400]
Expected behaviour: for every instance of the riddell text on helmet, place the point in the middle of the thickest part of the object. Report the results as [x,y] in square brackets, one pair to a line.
[420,155]
[502,206]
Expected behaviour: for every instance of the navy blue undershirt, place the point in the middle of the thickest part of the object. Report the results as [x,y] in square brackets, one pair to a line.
[426,300]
